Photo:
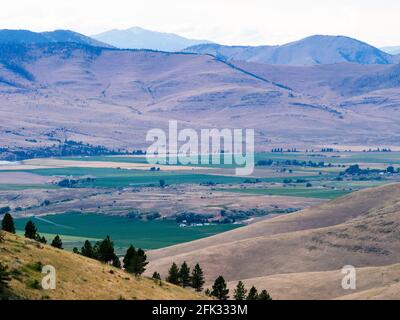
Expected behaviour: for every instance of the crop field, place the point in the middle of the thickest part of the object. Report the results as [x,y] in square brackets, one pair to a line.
[74,228]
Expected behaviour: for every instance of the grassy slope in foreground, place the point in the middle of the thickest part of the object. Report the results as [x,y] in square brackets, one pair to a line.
[78,278]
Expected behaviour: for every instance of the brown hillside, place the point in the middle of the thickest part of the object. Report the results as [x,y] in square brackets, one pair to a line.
[78,278]
[361,229]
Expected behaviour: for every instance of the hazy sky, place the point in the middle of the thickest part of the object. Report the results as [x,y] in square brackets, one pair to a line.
[224,21]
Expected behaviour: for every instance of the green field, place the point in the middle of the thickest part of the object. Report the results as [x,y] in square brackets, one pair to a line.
[114,178]
[293,192]
[123,231]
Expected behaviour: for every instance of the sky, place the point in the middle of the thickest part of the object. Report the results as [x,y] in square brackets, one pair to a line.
[250,22]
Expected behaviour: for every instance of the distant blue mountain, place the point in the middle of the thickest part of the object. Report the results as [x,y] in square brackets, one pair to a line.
[139,38]
[57,36]
[391,50]
[313,50]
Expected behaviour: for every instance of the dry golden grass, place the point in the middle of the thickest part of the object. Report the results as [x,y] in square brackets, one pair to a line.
[379,282]
[78,278]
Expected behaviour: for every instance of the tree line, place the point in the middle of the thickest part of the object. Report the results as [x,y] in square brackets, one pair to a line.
[184,277]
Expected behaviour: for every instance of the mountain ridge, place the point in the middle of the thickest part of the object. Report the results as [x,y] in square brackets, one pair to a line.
[312,50]
[139,38]
[21,36]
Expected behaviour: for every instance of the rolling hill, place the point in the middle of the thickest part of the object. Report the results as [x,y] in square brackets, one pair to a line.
[361,229]
[312,50]
[57,36]
[78,278]
[139,38]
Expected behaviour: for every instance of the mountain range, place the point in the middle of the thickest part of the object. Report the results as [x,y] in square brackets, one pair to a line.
[120,94]
[57,36]
[313,50]
[139,38]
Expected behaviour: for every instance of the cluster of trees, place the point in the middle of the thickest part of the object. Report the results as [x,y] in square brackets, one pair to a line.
[294,162]
[134,261]
[281,150]
[241,293]
[355,170]
[184,277]
[7,224]
[221,292]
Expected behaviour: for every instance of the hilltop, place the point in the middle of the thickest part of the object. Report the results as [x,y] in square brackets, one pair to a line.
[57,36]
[313,50]
[360,229]
[78,278]
[139,38]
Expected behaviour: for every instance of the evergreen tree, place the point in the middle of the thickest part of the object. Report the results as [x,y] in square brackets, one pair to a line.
[106,252]
[87,250]
[116,262]
[30,230]
[253,294]
[128,259]
[4,279]
[264,295]
[40,239]
[240,292]
[197,278]
[184,275]
[135,261]
[156,276]
[57,243]
[7,224]
[75,250]
[173,274]
[219,289]
[141,262]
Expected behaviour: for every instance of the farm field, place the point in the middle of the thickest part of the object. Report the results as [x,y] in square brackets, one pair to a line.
[74,228]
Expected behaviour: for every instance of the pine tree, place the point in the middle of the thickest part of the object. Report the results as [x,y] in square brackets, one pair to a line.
[219,289]
[87,250]
[156,276]
[30,230]
[7,224]
[264,295]
[173,274]
[57,243]
[75,250]
[40,239]
[135,261]
[240,292]
[184,275]
[141,262]
[197,278]
[128,259]
[106,252]
[4,279]
[116,262]
[253,294]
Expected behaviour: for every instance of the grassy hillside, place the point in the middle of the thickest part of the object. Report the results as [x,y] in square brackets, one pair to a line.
[78,278]
[361,229]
